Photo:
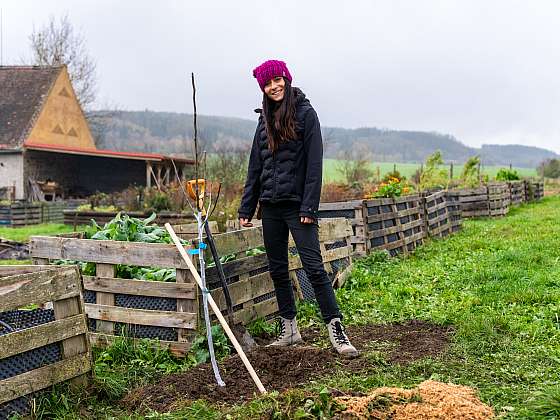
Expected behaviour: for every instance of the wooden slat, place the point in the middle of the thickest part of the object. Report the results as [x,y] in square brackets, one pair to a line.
[141,316]
[41,378]
[104,298]
[140,287]
[42,335]
[13,270]
[103,340]
[107,252]
[344,205]
[245,290]
[373,218]
[258,310]
[37,288]
[294,261]
[237,267]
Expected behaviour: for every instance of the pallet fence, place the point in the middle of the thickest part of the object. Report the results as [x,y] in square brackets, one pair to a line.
[40,347]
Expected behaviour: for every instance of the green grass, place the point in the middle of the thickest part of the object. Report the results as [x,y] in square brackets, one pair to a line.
[497,282]
[15,262]
[331,174]
[22,234]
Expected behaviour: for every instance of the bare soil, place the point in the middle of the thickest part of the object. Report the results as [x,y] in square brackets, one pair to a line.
[283,368]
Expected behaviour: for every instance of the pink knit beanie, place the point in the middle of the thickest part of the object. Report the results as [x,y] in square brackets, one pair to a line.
[270,69]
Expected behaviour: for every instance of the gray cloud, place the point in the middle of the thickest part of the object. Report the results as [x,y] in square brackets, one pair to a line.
[486,72]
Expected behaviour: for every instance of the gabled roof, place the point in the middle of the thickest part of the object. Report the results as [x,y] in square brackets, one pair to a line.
[23,90]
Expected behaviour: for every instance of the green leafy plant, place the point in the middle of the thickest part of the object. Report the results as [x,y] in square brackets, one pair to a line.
[433,175]
[507,175]
[199,349]
[469,175]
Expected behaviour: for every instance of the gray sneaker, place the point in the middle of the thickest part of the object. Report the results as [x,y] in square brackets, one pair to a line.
[340,340]
[288,335]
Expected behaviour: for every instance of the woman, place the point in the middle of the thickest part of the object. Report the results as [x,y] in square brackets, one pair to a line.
[284,176]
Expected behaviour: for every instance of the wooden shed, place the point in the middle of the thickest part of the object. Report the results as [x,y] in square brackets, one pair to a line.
[44,136]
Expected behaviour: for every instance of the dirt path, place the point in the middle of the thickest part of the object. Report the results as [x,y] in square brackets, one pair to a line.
[281,368]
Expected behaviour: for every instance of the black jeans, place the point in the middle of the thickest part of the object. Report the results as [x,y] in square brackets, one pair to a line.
[277,220]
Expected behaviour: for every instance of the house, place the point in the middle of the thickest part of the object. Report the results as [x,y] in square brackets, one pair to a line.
[44,136]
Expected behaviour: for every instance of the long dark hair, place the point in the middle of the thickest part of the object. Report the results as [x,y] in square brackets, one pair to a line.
[280,117]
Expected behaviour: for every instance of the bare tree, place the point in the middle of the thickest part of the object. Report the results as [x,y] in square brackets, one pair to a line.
[229,165]
[354,165]
[57,43]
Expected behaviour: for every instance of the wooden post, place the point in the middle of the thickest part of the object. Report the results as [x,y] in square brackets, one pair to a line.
[105,270]
[478,173]
[148,174]
[186,305]
[451,171]
[378,172]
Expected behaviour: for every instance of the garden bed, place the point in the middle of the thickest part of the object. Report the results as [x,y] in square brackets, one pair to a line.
[170,311]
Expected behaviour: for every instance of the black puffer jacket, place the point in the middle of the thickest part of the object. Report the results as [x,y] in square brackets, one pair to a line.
[294,172]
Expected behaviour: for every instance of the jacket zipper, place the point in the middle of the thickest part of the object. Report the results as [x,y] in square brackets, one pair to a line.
[275,172]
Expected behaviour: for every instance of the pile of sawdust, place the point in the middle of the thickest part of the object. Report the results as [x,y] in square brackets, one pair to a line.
[430,400]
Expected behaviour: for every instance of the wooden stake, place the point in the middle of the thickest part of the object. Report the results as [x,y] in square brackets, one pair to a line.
[216,310]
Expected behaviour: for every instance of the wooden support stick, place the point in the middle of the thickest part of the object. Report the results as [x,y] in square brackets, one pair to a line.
[216,310]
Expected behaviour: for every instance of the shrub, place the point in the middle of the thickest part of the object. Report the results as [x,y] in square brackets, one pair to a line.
[433,176]
[507,175]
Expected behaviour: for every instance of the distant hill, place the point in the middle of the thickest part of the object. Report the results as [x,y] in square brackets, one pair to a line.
[171,133]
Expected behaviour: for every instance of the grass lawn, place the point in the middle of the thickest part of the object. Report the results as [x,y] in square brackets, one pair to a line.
[22,234]
[15,262]
[331,174]
[497,283]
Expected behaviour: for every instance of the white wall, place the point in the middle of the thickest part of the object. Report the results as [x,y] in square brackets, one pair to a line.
[11,172]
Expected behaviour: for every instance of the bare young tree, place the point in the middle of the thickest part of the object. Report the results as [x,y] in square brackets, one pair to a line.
[354,165]
[58,43]
[228,165]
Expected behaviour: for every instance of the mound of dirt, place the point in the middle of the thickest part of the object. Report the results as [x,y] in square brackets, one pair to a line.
[283,368]
[277,368]
[430,400]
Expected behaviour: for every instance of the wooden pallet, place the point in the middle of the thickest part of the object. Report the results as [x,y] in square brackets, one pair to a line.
[454,210]
[517,192]
[21,286]
[354,211]
[20,214]
[499,197]
[534,190]
[395,224]
[474,202]
[436,215]
[250,285]
[106,255]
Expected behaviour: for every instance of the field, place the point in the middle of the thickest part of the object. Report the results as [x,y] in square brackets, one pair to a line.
[331,174]
[494,288]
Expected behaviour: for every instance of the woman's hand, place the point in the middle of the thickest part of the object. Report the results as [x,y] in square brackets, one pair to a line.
[244,222]
[306,220]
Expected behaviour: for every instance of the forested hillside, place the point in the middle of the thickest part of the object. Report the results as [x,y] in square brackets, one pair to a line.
[171,133]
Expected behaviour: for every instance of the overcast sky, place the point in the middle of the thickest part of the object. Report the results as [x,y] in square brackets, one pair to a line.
[483,71]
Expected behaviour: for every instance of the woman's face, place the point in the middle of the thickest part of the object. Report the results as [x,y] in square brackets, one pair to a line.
[274,88]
